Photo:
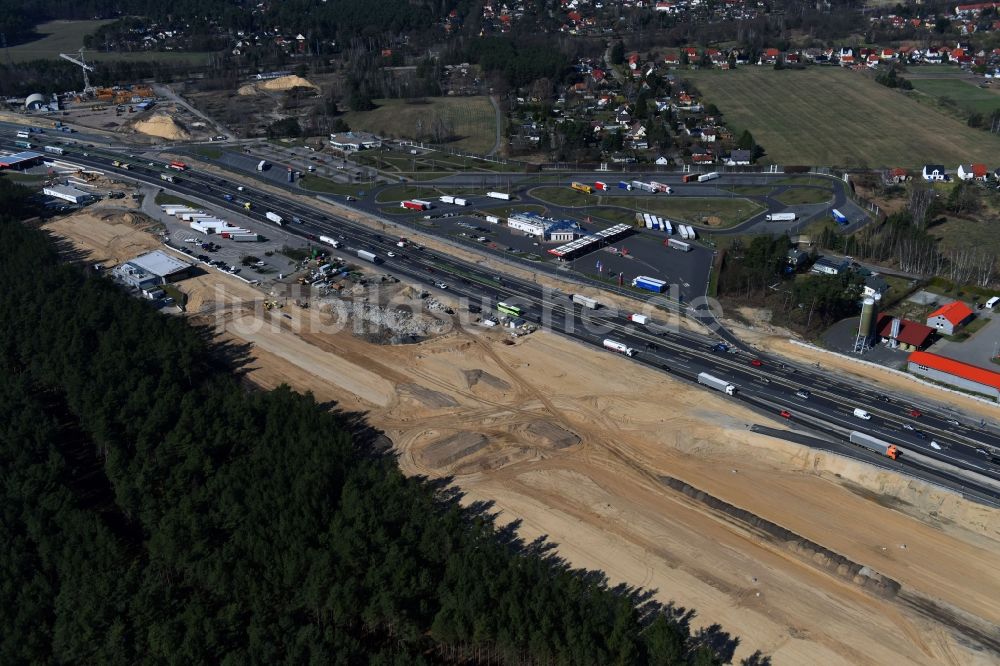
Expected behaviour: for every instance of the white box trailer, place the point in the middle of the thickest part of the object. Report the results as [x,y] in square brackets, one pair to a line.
[682,230]
[193,215]
[707,176]
[619,347]
[675,244]
[329,241]
[426,204]
[493,219]
[780,217]
[498,195]
[447,198]
[712,381]
[692,234]
[274,217]
[584,301]
[669,228]
[458,201]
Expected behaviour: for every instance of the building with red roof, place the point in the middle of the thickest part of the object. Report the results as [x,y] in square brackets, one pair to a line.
[912,336]
[949,318]
[955,373]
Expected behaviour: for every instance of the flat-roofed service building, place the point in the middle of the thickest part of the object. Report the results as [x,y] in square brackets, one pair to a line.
[68,193]
[164,267]
[352,142]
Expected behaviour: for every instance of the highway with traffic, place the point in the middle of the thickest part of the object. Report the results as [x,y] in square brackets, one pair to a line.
[808,397]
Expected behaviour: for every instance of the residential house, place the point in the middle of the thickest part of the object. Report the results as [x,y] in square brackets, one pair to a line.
[949,318]
[934,172]
[829,266]
[797,258]
[662,160]
[973,172]
[739,158]
[898,175]
[770,56]
[875,284]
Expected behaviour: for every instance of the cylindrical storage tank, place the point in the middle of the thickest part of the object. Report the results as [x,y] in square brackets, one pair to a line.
[868,317]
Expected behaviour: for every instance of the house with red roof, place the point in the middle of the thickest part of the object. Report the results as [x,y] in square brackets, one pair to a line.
[955,373]
[973,172]
[633,61]
[912,336]
[769,56]
[949,318]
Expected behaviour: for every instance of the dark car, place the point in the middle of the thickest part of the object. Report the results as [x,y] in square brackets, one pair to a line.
[803,393]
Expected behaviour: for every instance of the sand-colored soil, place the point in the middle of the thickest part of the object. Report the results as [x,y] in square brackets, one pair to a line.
[588,448]
[105,236]
[162,126]
[278,84]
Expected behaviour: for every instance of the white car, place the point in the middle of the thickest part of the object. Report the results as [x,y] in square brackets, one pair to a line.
[907,426]
[440,285]
[935,445]
[190,240]
[390,254]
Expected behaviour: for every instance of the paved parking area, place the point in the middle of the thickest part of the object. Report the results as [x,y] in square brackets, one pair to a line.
[978,349]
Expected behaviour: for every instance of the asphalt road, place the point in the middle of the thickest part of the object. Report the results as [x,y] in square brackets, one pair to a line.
[773,383]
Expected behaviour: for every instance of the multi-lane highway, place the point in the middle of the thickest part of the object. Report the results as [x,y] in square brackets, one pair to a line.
[769,387]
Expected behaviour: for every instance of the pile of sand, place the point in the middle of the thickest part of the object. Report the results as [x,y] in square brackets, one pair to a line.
[163,126]
[287,83]
[248,89]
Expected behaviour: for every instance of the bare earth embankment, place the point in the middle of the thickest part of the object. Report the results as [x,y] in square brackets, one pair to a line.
[811,558]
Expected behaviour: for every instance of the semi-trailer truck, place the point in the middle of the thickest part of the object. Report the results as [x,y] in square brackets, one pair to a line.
[692,234]
[638,318]
[780,217]
[838,217]
[498,195]
[688,177]
[177,165]
[412,205]
[584,301]
[447,198]
[603,187]
[274,217]
[622,185]
[649,284]
[55,150]
[261,165]
[874,444]
[460,202]
[661,187]
[580,187]
[167,177]
[329,241]
[369,256]
[426,204]
[619,347]
[675,244]
[707,176]
[714,382]
[641,186]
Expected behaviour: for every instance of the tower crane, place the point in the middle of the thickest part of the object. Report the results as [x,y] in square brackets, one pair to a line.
[82,64]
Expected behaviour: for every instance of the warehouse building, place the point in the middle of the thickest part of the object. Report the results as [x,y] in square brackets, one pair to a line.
[955,373]
[543,227]
[67,193]
[162,266]
[906,335]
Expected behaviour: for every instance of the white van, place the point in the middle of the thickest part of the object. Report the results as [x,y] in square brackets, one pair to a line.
[992,302]
[862,414]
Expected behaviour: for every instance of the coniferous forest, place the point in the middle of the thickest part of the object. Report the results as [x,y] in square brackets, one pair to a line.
[155,509]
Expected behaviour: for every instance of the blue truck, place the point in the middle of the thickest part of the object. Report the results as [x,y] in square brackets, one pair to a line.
[622,185]
[649,284]
[838,217]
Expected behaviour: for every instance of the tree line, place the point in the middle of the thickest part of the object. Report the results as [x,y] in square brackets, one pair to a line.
[156,509]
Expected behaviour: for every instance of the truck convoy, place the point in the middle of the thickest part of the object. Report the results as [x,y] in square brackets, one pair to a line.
[329,241]
[274,217]
[688,177]
[619,347]
[874,444]
[714,382]
[780,217]
[649,284]
[707,176]
[580,187]
[584,301]
[369,256]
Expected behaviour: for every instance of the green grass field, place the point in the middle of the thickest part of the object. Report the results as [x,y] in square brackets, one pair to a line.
[472,118]
[833,117]
[326,186]
[67,36]
[694,210]
[965,94]
[804,195]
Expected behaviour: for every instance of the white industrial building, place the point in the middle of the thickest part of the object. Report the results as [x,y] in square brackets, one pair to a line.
[162,266]
[561,231]
[67,193]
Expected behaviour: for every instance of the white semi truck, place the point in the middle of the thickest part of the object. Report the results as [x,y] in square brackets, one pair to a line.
[714,382]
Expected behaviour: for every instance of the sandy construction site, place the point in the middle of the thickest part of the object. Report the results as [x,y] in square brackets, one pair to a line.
[809,557]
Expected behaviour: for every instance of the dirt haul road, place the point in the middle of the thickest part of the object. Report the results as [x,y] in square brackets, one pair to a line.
[594,451]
